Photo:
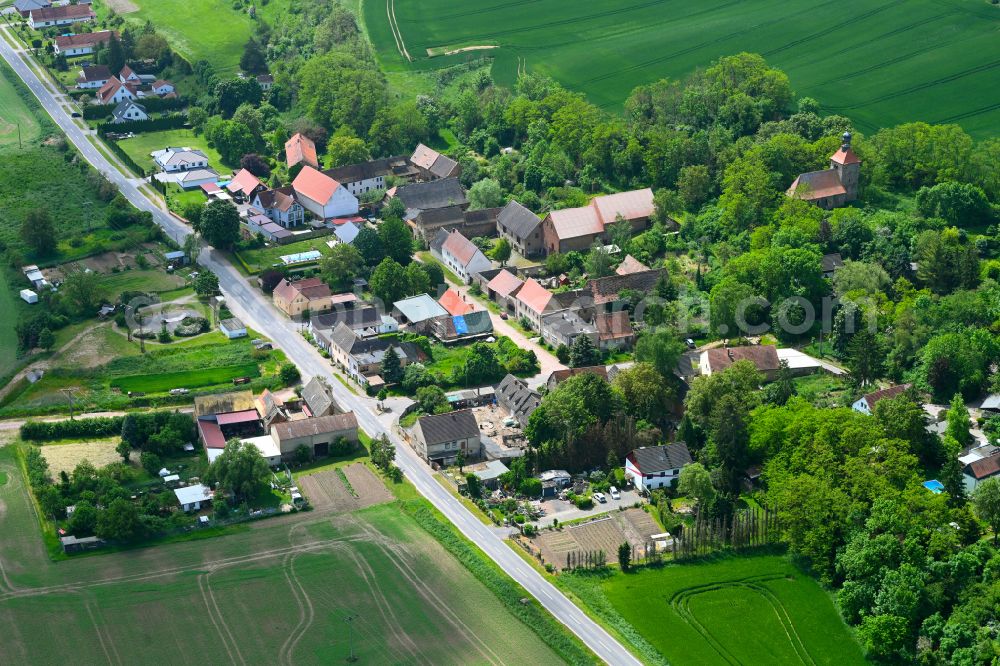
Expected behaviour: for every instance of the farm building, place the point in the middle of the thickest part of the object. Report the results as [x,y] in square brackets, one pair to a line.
[318,398]
[233,328]
[559,376]
[300,149]
[29,296]
[630,265]
[368,176]
[433,165]
[489,473]
[764,357]
[72,544]
[520,401]
[317,433]
[323,196]
[455,328]
[577,228]
[419,197]
[439,438]
[191,498]
[416,310]
[266,444]
[455,303]
[655,467]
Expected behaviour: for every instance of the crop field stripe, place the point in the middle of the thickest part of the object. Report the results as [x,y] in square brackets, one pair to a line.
[923,86]
[833,28]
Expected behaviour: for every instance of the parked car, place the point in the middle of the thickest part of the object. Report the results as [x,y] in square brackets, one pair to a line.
[179,391]
[600,497]
[690,343]
[615,495]
[76,114]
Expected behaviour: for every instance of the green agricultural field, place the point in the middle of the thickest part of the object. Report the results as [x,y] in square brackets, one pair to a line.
[277,593]
[142,280]
[15,115]
[203,29]
[188,379]
[740,609]
[881,62]
[140,146]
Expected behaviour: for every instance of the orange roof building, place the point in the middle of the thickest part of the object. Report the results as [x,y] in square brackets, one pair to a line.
[833,187]
[577,228]
[301,149]
[453,302]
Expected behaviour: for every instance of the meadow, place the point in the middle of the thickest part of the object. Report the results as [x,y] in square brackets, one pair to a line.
[732,609]
[201,29]
[140,146]
[159,382]
[279,592]
[879,62]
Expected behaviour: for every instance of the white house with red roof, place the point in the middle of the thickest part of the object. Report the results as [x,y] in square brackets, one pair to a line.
[323,196]
[127,75]
[866,403]
[532,301]
[163,87]
[244,186]
[82,44]
[301,149]
[115,92]
[833,187]
[47,17]
[459,254]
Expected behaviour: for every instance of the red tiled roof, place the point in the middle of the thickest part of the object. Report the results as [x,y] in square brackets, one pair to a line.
[162,82]
[84,39]
[845,156]
[558,376]
[984,467]
[300,149]
[764,357]
[315,185]
[630,265]
[576,222]
[817,185]
[453,302]
[209,188]
[632,205]
[244,182]
[245,416]
[505,284]
[613,325]
[109,89]
[891,392]
[62,12]
[424,157]
[460,247]
[126,72]
[310,288]
[534,296]
[211,434]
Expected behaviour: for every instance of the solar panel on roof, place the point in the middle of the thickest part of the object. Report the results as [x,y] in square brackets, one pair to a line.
[460,326]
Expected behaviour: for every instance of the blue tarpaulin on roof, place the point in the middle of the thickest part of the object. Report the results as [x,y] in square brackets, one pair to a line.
[460,326]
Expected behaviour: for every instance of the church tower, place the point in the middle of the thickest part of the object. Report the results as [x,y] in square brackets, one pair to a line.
[848,167]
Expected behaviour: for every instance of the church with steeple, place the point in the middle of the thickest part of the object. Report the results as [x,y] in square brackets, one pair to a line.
[833,187]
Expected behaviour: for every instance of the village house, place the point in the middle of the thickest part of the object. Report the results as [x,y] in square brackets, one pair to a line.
[301,150]
[172,160]
[614,330]
[439,439]
[128,75]
[323,196]
[367,176]
[455,303]
[866,403]
[433,165]
[317,434]
[129,111]
[194,497]
[764,358]
[979,463]
[470,223]
[366,322]
[577,228]
[280,206]
[533,300]
[262,225]
[195,178]
[830,264]
[425,196]
[606,292]
[114,92]
[294,298]
[557,377]
[503,288]
[162,87]
[654,467]
[361,358]
[563,327]
[265,81]
[522,229]
[459,254]
[93,76]
[46,17]
[833,187]
[244,186]
[514,395]
[270,408]
[82,44]
[318,398]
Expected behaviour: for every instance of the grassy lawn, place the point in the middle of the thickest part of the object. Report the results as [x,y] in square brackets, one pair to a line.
[15,114]
[205,29]
[732,609]
[142,280]
[140,146]
[157,383]
[879,63]
[258,259]
[8,316]
[178,198]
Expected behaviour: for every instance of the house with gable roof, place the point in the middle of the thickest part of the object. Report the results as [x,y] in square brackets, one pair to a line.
[502,289]
[655,467]
[522,229]
[294,298]
[244,186]
[47,17]
[323,196]
[115,92]
[300,149]
[833,187]
[82,44]
[459,254]
[172,160]
[433,165]
[577,228]
[93,76]
[280,205]
[866,403]
[129,111]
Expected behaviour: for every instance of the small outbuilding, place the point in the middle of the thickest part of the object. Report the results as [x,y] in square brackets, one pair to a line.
[29,296]
[191,498]
[233,328]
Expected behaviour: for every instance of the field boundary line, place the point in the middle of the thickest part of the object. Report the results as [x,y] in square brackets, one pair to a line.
[100,634]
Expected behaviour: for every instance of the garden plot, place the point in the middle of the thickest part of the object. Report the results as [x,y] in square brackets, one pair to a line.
[632,525]
[326,491]
[65,457]
[368,487]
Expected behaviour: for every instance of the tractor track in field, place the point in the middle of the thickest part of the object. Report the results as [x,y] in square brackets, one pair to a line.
[971,71]
[390,12]
[100,636]
[833,28]
[209,600]
[307,613]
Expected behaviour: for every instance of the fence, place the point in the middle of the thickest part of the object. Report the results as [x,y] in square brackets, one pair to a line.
[746,529]
[173,121]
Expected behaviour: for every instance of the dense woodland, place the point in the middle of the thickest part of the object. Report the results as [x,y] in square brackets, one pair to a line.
[917,301]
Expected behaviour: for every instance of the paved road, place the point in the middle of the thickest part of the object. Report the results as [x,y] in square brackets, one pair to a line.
[250,305]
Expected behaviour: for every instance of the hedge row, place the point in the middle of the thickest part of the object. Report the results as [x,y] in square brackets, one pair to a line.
[152,104]
[174,121]
[44,431]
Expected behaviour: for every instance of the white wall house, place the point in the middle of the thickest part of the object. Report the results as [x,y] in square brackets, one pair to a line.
[179,159]
[323,196]
[459,254]
[654,467]
[866,403]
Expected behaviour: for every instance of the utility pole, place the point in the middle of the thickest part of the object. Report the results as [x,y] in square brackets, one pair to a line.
[350,636]
[142,339]
[69,393]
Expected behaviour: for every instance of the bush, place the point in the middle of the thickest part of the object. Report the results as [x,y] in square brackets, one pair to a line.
[289,373]
[43,431]
[583,502]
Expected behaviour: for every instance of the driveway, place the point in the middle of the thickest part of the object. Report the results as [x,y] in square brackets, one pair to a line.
[557,509]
